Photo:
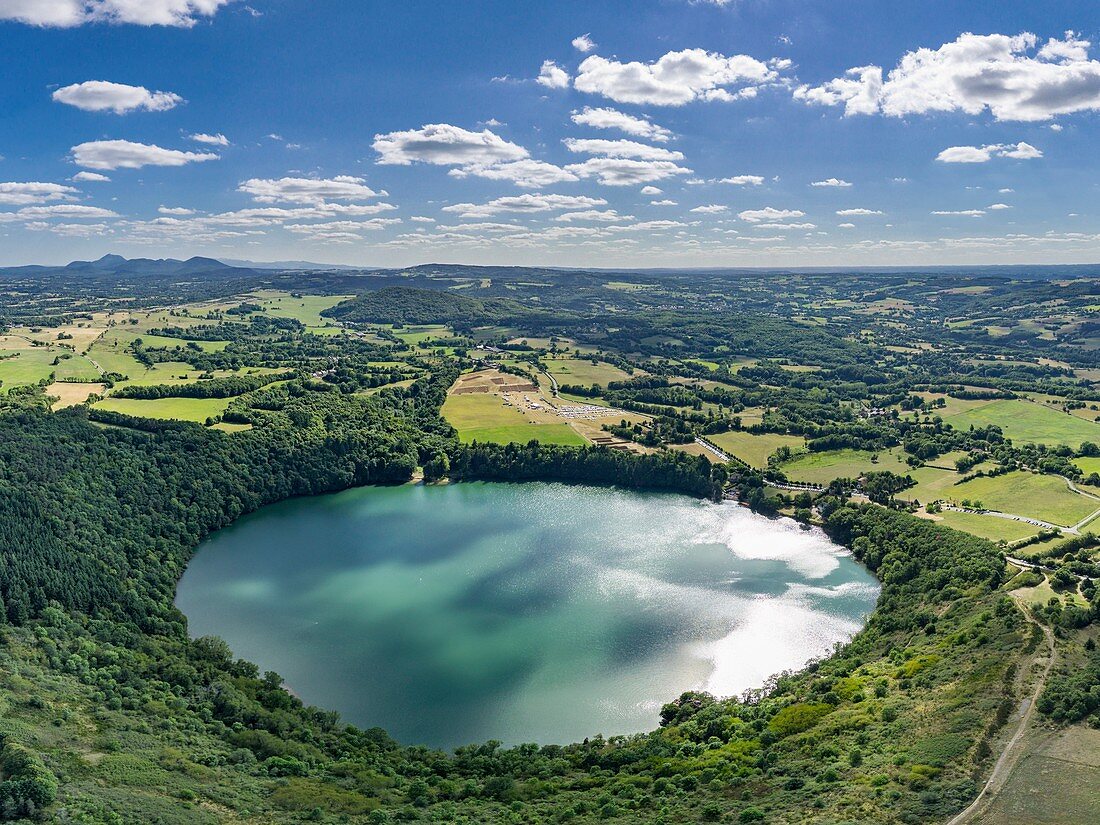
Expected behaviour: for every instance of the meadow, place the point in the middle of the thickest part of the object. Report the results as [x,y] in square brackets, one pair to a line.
[987,527]
[1028,422]
[304,308]
[1042,497]
[1088,464]
[755,449]
[584,373]
[25,366]
[823,467]
[483,417]
[176,409]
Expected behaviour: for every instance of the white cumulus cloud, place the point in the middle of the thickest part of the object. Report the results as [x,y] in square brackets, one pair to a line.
[744,180]
[105,96]
[524,203]
[584,43]
[69,13]
[66,210]
[307,190]
[528,173]
[846,213]
[984,154]
[125,154]
[19,194]
[620,149]
[769,214]
[89,177]
[445,145]
[552,76]
[1011,76]
[598,215]
[211,140]
[674,79]
[831,183]
[606,118]
[626,171]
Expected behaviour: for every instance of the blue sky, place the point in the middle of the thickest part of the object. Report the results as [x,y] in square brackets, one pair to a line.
[778,132]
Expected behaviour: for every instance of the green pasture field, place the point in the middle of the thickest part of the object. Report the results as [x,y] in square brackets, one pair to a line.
[1042,497]
[176,409]
[416,336]
[954,406]
[522,433]
[821,468]
[988,527]
[1088,465]
[584,373]
[1028,422]
[306,309]
[933,483]
[137,373]
[333,331]
[755,449]
[483,417]
[710,365]
[27,366]
[479,410]
[77,368]
[124,338]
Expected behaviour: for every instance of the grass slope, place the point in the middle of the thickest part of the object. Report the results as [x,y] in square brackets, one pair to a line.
[1028,422]
[755,449]
[1028,494]
[176,409]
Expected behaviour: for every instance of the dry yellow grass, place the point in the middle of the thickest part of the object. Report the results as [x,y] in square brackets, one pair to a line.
[69,395]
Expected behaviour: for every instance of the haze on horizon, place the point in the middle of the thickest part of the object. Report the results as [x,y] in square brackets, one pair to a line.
[674,133]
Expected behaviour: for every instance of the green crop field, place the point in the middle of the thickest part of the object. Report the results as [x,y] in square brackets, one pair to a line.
[1026,421]
[821,468]
[1027,494]
[584,373]
[178,409]
[755,449]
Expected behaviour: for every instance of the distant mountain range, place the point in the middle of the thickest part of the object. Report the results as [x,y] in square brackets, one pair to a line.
[118,265]
[298,265]
[229,267]
[150,266]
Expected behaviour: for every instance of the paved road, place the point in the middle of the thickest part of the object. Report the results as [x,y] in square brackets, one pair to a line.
[710,448]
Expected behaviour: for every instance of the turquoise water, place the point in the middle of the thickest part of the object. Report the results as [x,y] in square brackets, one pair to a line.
[526,613]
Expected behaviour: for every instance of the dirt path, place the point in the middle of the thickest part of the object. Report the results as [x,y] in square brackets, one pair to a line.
[1012,752]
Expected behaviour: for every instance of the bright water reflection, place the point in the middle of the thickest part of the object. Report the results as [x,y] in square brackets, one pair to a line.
[539,612]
